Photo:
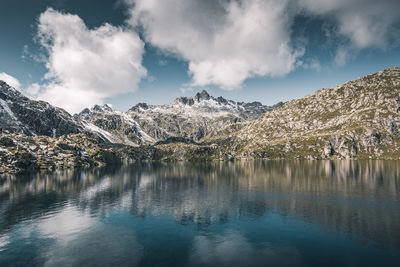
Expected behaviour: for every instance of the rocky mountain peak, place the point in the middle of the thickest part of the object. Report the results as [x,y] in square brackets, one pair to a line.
[193,118]
[202,96]
[139,107]
[86,114]
[184,100]
[142,105]
[222,100]
[101,109]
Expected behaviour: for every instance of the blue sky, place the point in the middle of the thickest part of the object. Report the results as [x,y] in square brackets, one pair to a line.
[154,51]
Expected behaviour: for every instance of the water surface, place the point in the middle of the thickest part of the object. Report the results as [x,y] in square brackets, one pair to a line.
[261,213]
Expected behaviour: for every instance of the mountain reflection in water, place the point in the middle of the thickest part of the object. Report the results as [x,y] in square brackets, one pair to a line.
[152,214]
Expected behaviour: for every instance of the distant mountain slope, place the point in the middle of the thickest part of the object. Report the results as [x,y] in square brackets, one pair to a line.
[21,114]
[194,118]
[186,117]
[115,126]
[357,119]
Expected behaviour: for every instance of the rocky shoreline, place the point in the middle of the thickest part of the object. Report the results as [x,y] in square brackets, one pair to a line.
[19,152]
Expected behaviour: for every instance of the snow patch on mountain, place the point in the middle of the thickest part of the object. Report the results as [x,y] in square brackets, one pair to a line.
[93,128]
[5,108]
[114,126]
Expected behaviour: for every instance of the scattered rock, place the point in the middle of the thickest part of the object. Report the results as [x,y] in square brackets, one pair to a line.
[6,142]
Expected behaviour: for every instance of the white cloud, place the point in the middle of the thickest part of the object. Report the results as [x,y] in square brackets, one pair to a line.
[366,23]
[162,62]
[342,55]
[85,66]
[10,80]
[311,63]
[225,42]
[33,89]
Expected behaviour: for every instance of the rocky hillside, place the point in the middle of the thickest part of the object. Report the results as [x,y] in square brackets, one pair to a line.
[114,126]
[194,117]
[23,115]
[359,119]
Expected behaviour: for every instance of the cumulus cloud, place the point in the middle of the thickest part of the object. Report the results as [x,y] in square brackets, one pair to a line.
[365,23]
[33,89]
[85,66]
[10,80]
[361,23]
[225,42]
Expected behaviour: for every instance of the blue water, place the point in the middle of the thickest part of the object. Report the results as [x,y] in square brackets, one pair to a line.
[261,213]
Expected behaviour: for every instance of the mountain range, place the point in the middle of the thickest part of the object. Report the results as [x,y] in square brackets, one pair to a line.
[186,117]
[359,119]
[190,118]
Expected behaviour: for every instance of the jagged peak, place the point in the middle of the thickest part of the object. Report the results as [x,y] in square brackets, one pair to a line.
[96,109]
[142,105]
[202,96]
[184,100]
[222,100]
[139,106]
[103,108]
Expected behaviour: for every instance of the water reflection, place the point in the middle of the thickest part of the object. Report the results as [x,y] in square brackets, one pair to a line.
[71,210]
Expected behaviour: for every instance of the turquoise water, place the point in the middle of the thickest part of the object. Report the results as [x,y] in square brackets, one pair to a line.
[262,213]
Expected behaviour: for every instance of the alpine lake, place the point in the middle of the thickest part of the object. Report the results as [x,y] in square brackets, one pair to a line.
[241,213]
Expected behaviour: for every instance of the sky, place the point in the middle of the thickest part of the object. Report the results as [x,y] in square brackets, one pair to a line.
[75,54]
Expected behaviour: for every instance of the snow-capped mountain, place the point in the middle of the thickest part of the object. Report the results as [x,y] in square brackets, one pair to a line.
[114,126]
[187,117]
[21,114]
[190,118]
[194,117]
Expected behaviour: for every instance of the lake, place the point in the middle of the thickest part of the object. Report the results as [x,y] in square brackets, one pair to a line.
[250,213]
